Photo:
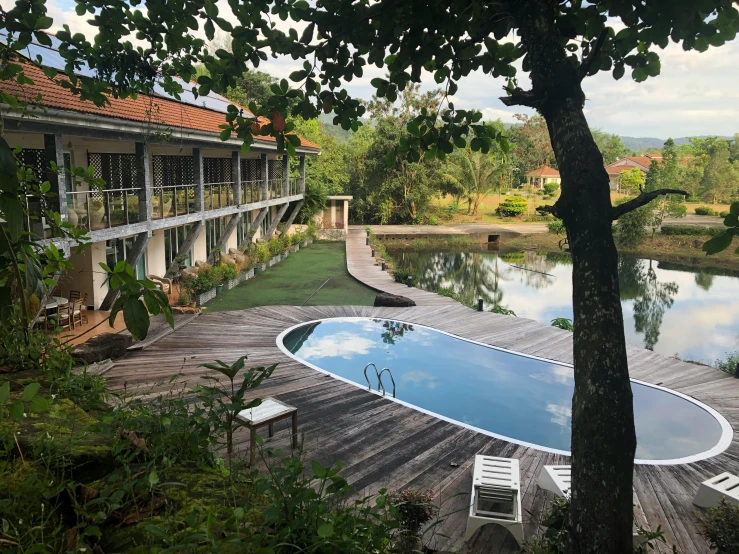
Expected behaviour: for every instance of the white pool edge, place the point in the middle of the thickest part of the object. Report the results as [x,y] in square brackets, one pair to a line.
[727,433]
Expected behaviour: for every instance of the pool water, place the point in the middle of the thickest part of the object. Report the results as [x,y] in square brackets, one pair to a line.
[524,399]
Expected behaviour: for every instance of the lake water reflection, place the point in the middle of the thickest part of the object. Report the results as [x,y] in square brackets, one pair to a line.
[669,308]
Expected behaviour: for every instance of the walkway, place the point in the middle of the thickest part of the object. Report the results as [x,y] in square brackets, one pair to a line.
[363,267]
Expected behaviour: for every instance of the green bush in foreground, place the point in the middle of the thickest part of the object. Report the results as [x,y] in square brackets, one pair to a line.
[691,230]
[721,528]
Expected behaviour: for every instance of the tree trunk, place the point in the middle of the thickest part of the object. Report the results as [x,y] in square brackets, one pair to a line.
[603,435]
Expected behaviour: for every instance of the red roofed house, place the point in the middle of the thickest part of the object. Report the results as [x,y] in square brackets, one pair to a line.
[541,175]
[173,187]
[642,163]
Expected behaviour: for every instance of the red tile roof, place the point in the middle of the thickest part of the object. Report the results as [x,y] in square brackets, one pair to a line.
[543,171]
[618,169]
[145,109]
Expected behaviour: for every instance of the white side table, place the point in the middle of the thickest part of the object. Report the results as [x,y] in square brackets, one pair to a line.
[266,414]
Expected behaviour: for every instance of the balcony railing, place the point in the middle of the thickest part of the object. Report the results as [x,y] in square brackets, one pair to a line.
[172,200]
[294,186]
[251,191]
[101,209]
[275,188]
[35,222]
[218,195]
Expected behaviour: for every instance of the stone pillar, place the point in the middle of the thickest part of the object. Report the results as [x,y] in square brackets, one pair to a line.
[55,153]
[197,155]
[285,175]
[143,180]
[265,177]
[302,173]
[236,176]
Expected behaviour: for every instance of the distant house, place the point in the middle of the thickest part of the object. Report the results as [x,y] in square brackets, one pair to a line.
[541,175]
[642,163]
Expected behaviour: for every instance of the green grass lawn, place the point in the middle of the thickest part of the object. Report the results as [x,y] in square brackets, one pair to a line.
[294,280]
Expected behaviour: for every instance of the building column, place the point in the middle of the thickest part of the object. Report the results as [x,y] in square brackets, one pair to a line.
[265,177]
[55,153]
[302,173]
[236,176]
[143,180]
[197,155]
[285,175]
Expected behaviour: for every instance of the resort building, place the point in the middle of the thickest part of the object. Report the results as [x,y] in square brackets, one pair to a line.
[541,175]
[172,186]
[642,163]
[335,215]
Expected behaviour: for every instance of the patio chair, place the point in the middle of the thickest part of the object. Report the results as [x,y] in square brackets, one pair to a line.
[713,490]
[496,496]
[63,317]
[77,312]
[83,309]
[74,295]
[164,284]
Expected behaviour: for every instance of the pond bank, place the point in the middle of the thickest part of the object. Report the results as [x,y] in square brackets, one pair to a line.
[676,249]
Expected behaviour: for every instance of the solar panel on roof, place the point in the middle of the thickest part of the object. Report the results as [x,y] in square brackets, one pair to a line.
[51,58]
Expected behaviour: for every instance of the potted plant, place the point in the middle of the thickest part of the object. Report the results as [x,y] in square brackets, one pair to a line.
[262,255]
[229,275]
[275,248]
[202,286]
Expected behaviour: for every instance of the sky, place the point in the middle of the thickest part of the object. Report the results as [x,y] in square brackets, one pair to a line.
[696,93]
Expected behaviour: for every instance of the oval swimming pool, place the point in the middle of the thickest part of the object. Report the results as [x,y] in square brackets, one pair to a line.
[517,397]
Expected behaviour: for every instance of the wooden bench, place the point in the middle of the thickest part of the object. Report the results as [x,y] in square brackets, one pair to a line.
[267,413]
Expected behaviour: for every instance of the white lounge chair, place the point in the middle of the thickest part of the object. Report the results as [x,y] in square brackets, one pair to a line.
[496,496]
[713,490]
[558,479]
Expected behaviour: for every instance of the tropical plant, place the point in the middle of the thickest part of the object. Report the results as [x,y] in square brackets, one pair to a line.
[728,364]
[556,227]
[473,175]
[550,188]
[498,309]
[222,402]
[401,275]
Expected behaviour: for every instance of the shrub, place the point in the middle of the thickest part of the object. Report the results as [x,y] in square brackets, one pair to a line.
[262,252]
[204,280]
[498,309]
[513,206]
[451,210]
[311,230]
[433,220]
[416,508]
[401,275]
[721,528]
[691,230]
[729,364]
[540,192]
[227,271]
[275,247]
[705,210]
[538,218]
[557,227]
[563,323]
[724,213]
[550,188]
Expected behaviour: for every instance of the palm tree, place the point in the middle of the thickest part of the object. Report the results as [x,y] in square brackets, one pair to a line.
[473,175]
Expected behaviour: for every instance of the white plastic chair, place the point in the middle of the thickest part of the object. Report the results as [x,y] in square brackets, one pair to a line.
[713,490]
[496,496]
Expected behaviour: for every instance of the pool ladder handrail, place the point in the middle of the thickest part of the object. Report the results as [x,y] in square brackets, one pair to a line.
[380,384]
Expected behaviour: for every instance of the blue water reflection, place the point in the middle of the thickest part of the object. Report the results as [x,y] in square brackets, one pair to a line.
[518,397]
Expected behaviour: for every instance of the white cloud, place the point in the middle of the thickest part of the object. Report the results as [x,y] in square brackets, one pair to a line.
[696,94]
[339,345]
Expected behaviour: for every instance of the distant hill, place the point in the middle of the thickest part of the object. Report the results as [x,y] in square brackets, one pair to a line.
[641,143]
[335,130]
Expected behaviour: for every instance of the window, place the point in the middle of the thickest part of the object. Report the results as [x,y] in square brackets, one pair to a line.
[217,170]
[242,231]
[214,229]
[174,238]
[117,250]
[173,170]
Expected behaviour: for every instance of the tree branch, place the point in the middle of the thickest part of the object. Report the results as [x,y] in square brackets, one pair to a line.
[548,209]
[520,97]
[587,63]
[641,200]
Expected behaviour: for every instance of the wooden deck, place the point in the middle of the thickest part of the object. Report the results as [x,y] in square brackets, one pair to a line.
[385,444]
[363,267]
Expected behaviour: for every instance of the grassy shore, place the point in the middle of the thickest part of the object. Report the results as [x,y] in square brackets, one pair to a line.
[677,249]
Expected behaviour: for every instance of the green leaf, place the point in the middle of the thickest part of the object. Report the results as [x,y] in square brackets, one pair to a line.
[325,530]
[718,243]
[153,478]
[136,318]
[4,393]
[30,391]
[39,404]
[16,410]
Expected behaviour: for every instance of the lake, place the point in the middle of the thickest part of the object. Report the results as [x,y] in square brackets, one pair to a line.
[669,308]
